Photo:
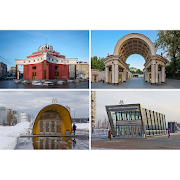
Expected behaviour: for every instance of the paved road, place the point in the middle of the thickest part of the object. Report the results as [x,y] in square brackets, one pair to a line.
[13,85]
[138,83]
[157,142]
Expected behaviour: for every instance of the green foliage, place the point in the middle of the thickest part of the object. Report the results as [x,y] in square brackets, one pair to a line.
[97,63]
[128,66]
[169,42]
[137,72]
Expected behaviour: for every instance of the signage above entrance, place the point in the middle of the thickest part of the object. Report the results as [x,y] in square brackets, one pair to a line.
[129,123]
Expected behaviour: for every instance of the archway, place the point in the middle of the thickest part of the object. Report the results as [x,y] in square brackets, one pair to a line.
[52,119]
[134,43]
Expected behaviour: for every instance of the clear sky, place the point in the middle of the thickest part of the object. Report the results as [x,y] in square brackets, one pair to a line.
[18,44]
[104,41]
[165,102]
[32,102]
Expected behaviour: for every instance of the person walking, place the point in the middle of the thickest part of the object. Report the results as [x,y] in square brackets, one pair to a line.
[74,128]
[168,132]
[110,132]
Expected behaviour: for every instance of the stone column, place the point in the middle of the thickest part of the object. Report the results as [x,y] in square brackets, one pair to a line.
[152,75]
[107,74]
[156,73]
[113,73]
[146,75]
[163,74]
[116,74]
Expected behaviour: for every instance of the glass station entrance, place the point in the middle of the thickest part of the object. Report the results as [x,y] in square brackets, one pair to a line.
[125,120]
[128,131]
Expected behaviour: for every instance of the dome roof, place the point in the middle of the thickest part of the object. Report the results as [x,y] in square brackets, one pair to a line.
[47,47]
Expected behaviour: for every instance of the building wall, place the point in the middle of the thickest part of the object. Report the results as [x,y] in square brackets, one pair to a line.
[24,117]
[93,109]
[3,70]
[82,71]
[50,70]
[3,114]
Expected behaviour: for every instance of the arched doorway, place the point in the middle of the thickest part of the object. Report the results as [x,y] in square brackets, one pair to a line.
[52,119]
[134,43]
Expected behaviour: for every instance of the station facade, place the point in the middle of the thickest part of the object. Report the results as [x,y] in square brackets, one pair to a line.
[134,43]
[47,64]
[131,120]
[51,121]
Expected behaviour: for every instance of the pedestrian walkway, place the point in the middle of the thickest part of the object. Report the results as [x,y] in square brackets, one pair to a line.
[153,142]
[138,83]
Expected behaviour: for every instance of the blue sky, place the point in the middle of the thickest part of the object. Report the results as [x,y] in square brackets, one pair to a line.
[18,44]
[104,41]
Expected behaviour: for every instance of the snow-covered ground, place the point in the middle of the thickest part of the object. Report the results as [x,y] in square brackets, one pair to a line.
[82,126]
[9,134]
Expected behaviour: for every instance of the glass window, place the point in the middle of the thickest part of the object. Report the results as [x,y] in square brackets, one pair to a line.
[34,67]
[123,116]
[152,120]
[158,121]
[113,115]
[145,119]
[133,115]
[128,115]
[148,119]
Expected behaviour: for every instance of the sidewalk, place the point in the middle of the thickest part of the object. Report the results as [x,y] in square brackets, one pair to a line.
[153,142]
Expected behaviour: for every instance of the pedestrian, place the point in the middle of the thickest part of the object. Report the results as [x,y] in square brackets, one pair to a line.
[74,128]
[103,81]
[110,132]
[168,132]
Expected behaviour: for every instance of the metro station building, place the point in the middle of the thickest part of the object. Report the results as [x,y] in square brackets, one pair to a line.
[131,120]
[134,43]
[47,64]
[53,121]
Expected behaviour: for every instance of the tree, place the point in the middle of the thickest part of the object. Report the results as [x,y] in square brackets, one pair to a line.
[97,63]
[169,42]
[137,72]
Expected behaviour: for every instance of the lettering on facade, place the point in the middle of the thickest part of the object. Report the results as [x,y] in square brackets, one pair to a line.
[54,100]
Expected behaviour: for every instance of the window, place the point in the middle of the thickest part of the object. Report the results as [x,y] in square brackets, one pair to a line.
[34,67]
[56,67]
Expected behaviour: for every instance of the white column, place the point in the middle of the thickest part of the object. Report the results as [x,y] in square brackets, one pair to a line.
[152,74]
[146,75]
[107,74]
[113,73]
[116,73]
[156,73]
[163,74]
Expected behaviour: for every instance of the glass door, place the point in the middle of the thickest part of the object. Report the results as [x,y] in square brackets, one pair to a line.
[130,131]
[53,127]
[46,127]
[120,78]
[138,131]
[59,127]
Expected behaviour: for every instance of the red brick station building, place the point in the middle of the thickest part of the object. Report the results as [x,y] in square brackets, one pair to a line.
[47,64]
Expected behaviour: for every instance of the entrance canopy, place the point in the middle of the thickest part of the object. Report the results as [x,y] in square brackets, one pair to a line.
[55,117]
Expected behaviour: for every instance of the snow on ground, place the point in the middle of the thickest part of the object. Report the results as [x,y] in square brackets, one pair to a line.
[82,126]
[9,134]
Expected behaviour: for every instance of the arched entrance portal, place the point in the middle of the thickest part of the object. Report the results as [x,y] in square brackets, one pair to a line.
[52,119]
[134,43]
